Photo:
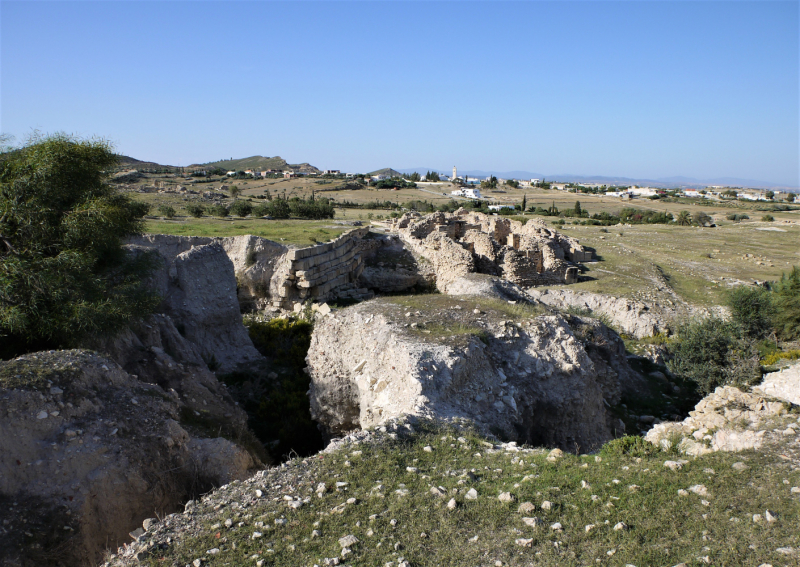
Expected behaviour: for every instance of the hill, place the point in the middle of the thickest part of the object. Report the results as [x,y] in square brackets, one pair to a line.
[127,162]
[260,162]
[386,171]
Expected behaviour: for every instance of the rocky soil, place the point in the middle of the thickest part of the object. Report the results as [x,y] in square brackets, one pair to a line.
[88,452]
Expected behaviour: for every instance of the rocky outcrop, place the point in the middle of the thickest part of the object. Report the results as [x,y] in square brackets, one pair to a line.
[88,452]
[525,377]
[198,286]
[727,420]
[783,384]
[154,351]
[631,317]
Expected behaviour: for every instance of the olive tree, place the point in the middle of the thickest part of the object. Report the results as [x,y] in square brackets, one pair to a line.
[64,274]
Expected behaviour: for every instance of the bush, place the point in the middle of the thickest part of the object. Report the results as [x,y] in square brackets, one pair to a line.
[768,218]
[64,275]
[711,353]
[241,208]
[786,301]
[166,211]
[196,211]
[219,211]
[751,310]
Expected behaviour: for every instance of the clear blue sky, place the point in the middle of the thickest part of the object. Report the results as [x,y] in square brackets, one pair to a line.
[638,89]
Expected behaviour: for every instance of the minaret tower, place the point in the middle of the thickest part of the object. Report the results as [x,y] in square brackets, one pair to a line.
[455,173]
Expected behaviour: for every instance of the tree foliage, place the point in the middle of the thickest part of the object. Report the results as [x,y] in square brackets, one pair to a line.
[64,274]
[786,303]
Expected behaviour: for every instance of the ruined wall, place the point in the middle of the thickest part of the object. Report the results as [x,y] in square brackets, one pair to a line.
[528,255]
[321,272]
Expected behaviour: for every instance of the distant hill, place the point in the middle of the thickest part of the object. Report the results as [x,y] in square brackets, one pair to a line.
[260,163]
[127,162]
[388,171]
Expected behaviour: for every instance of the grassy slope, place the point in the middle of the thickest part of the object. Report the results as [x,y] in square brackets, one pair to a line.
[663,527]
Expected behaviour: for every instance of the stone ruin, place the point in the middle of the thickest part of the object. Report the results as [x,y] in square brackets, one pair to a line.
[438,249]
[463,242]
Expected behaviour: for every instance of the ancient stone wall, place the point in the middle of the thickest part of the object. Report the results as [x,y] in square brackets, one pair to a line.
[321,272]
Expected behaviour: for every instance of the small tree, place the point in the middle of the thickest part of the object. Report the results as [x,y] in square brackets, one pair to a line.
[234,191]
[770,195]
[64,274]
[577,209]
[241,208]
[751,310]
[684,218]
[790,197]
[195,210]
[166,211]
[768,218]
[219,211]
[524,203]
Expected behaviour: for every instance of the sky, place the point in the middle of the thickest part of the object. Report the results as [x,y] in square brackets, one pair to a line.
[635,89]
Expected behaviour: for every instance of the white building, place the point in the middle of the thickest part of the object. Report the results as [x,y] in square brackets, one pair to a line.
[455,173]
[692,193]
[535,182]
[642,191]
[468,192]
[499,207]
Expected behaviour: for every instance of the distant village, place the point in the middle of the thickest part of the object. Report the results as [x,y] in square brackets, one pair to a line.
[469,187]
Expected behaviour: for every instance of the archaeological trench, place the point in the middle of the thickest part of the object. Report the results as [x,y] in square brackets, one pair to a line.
[433,316]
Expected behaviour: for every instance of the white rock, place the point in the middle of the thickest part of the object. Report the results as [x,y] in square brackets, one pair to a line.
[522,542]
[471,494]
[451,505]
[771,516]
[41,415]
[533,522]
[699,489]
[556,527]
[348,541]
[505,497]
[547,505]
[620,526]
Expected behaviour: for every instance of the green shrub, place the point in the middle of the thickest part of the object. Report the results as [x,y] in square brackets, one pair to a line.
[241,208]
[786,300]
[752,310]
[712,353]
[166,211]
[767,218]
[219,211]
[196,211]
[64,274]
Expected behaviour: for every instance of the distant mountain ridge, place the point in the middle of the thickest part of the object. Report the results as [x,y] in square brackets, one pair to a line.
[260,162]
[666,182]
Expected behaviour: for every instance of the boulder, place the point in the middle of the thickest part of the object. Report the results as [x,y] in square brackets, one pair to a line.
[94,452]
[530,378]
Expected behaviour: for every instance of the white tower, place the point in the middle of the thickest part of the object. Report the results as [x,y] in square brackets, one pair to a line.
[455,174]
